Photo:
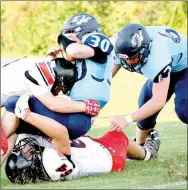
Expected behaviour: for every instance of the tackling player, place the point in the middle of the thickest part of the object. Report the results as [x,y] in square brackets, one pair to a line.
[48,76]
[81,39]
[33,159]
[160,54]
[53,74]
[13,83]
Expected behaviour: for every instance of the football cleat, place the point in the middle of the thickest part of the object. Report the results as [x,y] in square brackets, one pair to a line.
[152,145]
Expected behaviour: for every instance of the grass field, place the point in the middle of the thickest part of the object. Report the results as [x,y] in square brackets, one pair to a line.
[168,171]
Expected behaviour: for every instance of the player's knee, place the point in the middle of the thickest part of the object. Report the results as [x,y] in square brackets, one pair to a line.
[11,103]
[181,109]
[145,125]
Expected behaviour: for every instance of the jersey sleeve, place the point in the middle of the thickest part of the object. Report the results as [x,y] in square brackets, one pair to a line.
[101,46]
[164,73]
[159,62]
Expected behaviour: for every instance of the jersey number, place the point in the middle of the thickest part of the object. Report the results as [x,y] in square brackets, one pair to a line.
[164,73]
[96,41]
[63,168]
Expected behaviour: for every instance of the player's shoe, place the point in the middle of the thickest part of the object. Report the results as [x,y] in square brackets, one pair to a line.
[152,145]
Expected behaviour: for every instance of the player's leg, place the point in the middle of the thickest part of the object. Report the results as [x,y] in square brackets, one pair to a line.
[145,127]
[77,124]
[147,151]
[9,121]
[135,151]
[3,99]
[11,142]
[181,96]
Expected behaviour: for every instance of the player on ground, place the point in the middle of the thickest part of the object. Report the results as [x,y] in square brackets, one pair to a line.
[33,158]
[160,54]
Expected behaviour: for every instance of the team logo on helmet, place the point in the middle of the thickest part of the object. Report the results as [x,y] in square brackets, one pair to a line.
[80,19]
[137,39]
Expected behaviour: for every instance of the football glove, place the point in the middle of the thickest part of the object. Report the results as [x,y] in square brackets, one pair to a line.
[92,107]
[22,106]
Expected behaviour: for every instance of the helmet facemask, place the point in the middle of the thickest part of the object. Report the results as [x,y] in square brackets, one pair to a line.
[132,46]
[135,62]
[24,165]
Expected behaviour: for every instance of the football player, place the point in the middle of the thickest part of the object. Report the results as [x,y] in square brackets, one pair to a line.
[81,39]
[13,80]
[48,76]
[160,54]
[50,73]
[33,158]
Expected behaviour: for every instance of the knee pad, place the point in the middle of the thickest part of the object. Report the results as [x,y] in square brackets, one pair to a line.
[181,109]
[11,103]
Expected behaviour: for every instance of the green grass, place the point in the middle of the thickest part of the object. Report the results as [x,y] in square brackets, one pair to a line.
[169,170]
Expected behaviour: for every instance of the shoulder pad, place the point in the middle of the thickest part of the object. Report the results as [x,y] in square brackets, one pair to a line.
[99,42]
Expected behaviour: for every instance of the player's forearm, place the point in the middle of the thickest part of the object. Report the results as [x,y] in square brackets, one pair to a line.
[148,109]
[62,105]
[79,51]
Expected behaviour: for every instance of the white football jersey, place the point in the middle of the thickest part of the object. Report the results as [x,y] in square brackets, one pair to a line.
[89,157]
[12,77]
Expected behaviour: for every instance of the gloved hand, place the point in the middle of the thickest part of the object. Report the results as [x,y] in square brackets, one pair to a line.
[22,107]
[92,107]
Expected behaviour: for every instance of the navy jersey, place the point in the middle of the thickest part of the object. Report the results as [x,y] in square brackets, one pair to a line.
[95,73]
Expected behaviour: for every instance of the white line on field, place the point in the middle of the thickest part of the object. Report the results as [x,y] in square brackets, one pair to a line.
[163,186]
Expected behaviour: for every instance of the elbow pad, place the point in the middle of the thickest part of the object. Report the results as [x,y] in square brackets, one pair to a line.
[64,41]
